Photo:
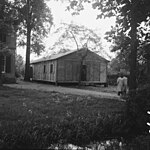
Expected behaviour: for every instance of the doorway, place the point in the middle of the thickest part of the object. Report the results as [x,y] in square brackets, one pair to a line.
[83,73]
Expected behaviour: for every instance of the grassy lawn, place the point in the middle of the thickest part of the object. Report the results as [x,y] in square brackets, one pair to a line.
[98,88]
[29,118]
[101,88]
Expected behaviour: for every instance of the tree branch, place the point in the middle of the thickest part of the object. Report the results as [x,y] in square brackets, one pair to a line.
[75,40]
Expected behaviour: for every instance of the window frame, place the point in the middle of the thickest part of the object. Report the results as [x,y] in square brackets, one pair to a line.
[51,68]
[44,69]
[6,64]
[3,64]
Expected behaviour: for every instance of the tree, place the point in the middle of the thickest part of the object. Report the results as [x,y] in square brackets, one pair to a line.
[19,66]
[144,48]
[129,14]
[117,64]
[35,22]
[79,37]
[121,44]
[72,36]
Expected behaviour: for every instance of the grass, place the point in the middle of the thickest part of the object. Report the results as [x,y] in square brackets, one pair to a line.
[98,88]
[42,118]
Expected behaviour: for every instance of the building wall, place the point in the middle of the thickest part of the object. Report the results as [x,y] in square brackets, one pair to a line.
[11,43]
[68,68]
[47,75]
[103,72]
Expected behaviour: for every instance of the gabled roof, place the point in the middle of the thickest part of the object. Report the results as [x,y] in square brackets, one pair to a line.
[53,57]
[60,55]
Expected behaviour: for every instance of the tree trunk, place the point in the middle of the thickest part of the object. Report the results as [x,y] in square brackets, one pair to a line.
[27,65]
[1,83]
[133,57]
[1,71]
[148,70]
[82,56]
[80,71]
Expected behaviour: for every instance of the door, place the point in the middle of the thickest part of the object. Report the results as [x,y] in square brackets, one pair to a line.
[44,72]
[83,73]
[103,74]
[31,72]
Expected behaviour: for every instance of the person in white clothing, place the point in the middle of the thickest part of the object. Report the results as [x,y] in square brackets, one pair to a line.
[125,85]
[120,84]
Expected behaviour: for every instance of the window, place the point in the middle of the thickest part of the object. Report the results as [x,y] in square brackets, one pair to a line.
[3,64]
[6,64]
[3,38]
[44,69]
[51,68]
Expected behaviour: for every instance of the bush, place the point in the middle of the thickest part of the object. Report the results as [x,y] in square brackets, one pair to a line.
[112,79]
[136,116]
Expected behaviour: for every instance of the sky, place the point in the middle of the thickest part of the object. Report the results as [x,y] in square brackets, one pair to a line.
[87,18]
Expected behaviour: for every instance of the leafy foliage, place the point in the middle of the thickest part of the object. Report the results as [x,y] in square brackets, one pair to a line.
[126,35]
[129,16]
[117,64]
[72,36]
[39,22]
[33,26]
[19,66]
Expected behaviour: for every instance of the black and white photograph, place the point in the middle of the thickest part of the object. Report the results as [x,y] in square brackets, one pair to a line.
[75,74]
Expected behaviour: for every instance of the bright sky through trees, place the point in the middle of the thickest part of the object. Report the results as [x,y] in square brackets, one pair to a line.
[87,18]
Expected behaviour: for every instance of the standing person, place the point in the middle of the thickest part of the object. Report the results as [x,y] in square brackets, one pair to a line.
[120,84]
[125,85]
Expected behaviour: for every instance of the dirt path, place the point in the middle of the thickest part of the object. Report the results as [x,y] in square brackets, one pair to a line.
[66,90]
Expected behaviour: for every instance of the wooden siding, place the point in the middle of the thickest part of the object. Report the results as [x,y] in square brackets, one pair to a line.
[66,69]
[39,74]
[103,73]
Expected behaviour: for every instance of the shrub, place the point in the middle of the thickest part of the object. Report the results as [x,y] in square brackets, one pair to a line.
[112,79]
[136,116]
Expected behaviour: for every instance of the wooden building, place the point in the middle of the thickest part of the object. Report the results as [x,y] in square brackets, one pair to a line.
[64,68]
[7,59]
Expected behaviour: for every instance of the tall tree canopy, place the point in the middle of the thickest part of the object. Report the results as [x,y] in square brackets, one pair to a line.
[35,20]
[129,14]
[73,36]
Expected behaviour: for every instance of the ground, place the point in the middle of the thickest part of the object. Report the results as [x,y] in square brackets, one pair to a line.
[99,88]
[99,91]
[34,117]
